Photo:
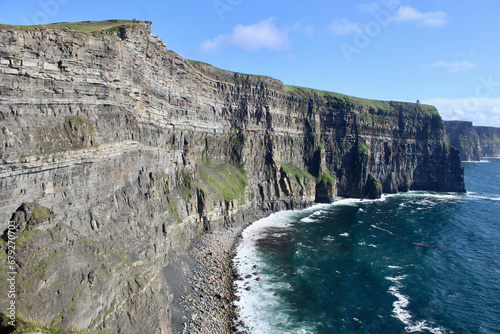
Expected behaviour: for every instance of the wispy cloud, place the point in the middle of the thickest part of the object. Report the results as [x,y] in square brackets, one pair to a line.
[454,67]
[384,13]
[261,35]
[427,19]
[342,27]
[369,7]
[480,111]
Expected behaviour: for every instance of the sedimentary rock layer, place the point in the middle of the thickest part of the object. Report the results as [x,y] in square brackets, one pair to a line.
[128,152]
[474,142]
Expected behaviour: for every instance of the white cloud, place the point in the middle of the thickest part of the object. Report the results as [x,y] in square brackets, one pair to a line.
[428,19]
[305,29]
[454,67]
[369,7]
[261,35]
[480,111]
[344,27]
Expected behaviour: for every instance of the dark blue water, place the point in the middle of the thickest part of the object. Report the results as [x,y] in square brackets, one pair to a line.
[410,263]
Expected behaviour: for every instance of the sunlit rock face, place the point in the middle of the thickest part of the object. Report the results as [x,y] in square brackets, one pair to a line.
[130,151]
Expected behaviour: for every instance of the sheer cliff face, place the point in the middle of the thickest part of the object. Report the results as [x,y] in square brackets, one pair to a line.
[474,142]
[136,151]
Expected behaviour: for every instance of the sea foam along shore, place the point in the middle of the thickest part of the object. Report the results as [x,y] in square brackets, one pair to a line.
[202,279]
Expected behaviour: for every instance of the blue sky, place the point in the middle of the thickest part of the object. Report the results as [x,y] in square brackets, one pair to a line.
[441,52]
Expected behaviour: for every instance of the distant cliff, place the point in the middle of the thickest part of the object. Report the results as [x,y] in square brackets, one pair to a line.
[474,142]
[122,152]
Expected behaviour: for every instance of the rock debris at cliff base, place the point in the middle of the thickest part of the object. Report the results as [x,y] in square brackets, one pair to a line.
[135,152]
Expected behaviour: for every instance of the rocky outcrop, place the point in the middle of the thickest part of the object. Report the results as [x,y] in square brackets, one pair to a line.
[474,142]
[490,141]
[136,151]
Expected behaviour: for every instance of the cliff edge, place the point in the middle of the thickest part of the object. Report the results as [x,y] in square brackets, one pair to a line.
[474,142]
[117,152]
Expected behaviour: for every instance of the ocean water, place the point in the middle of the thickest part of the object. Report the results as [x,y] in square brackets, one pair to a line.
[417,262]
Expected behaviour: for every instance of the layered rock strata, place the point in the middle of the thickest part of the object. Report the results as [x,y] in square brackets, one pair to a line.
[474,142]
[131,151]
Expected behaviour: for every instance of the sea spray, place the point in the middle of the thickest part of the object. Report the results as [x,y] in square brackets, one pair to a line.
[416,262]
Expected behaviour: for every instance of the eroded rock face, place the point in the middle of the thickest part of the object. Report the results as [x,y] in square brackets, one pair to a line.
[136,151]
[474,142]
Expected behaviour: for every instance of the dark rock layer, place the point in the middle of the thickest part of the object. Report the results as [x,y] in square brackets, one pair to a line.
[474,142]
[136,151]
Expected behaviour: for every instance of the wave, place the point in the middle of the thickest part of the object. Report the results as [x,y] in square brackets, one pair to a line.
[382,229]
[471,196]
[433,195]
[478,162]
[260,307]
[401,312]
[307,220]
[363,243]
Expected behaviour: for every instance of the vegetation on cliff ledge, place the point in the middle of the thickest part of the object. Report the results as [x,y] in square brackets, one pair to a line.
[356,102]
[24,325]
[85,27]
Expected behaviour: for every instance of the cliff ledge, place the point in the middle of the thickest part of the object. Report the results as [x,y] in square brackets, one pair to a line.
[125,152]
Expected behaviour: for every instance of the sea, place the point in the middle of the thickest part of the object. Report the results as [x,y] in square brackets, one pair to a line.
[416,262]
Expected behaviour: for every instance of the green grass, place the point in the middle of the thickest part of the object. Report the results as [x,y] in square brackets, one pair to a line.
[26,237]
[490,141]
[227,182]
[326,177]
[85,27]
[26,325]
[293,169]
[351,101]
[363,148]
[235,78]
[40,212]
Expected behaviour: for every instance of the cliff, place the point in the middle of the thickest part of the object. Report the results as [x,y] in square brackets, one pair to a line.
[474,142]
[117,152]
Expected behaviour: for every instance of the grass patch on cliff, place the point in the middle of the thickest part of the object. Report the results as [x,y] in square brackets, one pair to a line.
[26,325]
[326,177]
[362,148]
[350,101]
[85,27]
[224,181]
[293,169]
[40,213]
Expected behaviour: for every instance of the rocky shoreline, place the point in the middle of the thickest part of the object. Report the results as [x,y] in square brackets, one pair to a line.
[202,278]
[131,152]
[209,305]
[203,302]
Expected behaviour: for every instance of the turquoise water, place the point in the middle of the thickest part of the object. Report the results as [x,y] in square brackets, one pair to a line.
[417,262]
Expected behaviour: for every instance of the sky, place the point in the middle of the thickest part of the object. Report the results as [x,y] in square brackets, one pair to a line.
[441,52]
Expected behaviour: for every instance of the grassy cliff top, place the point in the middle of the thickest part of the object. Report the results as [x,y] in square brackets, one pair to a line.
[85,27]
[389,106]
[235,78]
[240,79]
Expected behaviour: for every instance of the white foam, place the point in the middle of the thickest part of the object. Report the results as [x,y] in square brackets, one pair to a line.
[260,307]
[478,162]
[447,196]
[469,195]
[363,243]
[329,238]
[400,312]
[395,267]
[307,220]
[382,229]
